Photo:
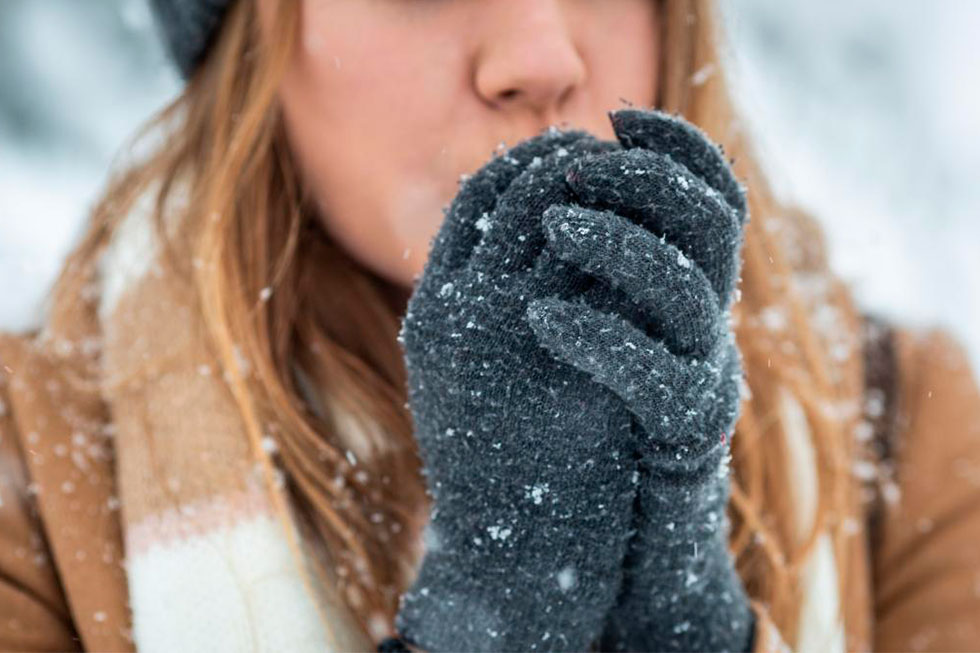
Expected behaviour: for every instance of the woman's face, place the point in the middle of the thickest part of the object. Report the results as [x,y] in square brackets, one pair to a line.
[388,102]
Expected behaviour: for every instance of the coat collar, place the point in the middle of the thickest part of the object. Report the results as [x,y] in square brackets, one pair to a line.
[68,452]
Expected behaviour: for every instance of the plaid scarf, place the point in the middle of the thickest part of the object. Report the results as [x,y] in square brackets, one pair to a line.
[208,558]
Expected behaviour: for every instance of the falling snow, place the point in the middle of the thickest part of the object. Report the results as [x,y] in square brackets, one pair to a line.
[498,532]
[536,492]
[483,223]
[566,578]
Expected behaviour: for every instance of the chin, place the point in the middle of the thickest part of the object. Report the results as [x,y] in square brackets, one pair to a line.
[401,270]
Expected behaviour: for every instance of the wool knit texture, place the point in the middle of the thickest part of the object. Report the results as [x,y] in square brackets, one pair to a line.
[529,465]
[671,357]
[188,27]
[574,383]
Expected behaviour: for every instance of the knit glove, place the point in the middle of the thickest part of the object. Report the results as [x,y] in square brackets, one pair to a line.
[659,225]
[527,460]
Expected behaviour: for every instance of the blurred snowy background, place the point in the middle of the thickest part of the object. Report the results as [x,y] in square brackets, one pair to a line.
[867,114]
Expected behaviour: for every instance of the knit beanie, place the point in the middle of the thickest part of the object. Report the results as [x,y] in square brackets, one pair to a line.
[188,27]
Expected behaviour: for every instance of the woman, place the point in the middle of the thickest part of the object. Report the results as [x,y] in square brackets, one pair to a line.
[208,444]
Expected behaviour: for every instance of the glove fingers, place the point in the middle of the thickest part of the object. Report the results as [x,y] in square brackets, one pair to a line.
[512,235]
[478,195]
[553,276]
[657,193]
[556,277]
[673,293]
[664,391]
[685,143]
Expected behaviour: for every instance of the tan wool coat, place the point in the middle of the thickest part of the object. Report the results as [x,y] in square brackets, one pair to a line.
[129,517]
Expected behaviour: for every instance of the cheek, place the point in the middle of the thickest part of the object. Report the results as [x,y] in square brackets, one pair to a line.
[379,176]
[386,221]
[628,65]
[374,203]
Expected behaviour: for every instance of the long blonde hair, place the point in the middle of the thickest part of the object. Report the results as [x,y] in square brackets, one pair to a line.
[331,325]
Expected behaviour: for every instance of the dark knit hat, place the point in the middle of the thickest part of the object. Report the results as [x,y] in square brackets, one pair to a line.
[188,27]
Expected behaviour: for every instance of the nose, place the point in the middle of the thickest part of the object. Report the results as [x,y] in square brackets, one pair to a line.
[529,61]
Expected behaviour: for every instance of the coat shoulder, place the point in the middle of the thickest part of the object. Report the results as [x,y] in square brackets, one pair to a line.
[57,505]
[36,612]
[925,557]
[906,367]
[13,345]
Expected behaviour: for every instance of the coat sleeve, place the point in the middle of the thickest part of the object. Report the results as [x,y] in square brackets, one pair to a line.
[34,614]
[927,545]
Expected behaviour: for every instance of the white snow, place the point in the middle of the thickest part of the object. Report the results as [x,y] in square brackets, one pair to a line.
[483,223]
[566,578]
[536,492]
[682,627]
[61,125]
[269,444]
[499,532]
[867,115]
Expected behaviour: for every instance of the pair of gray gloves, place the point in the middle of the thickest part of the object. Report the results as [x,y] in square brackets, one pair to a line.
[574,383]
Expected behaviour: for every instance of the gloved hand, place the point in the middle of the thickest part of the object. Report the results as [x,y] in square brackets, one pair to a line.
[529,462]
[662,235]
